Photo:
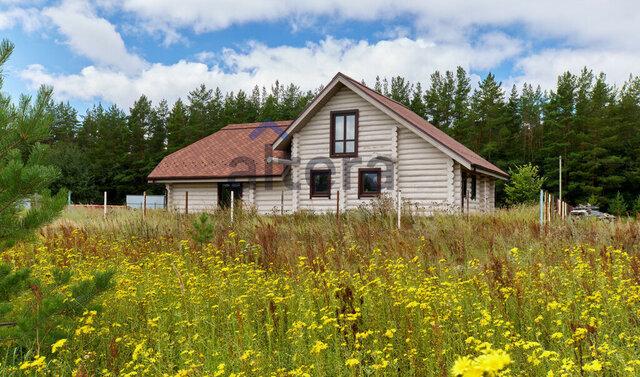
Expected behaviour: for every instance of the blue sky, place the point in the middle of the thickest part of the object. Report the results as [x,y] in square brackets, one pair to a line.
[113,51]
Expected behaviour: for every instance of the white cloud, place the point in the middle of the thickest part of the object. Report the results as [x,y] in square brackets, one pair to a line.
[205,56]
[577,21]
[29,18]
[309,66]
[543,68]
[92,37]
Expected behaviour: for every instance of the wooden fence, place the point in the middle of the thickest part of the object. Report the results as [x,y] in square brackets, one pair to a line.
[552,207]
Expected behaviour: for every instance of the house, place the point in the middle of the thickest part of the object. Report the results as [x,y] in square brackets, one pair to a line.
[349,139]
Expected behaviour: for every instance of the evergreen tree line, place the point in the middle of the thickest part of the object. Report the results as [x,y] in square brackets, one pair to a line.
[593,125]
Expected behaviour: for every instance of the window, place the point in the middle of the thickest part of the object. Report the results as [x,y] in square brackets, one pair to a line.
[344,133]
[224,193]
[369,181]
[473,187]
[320,183]
[464,186]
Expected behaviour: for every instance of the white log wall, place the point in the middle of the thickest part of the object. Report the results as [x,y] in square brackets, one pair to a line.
[423,172]
[202,196]
[375,136]
[485,191]
[268,198]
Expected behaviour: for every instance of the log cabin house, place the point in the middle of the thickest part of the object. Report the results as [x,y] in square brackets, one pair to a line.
[349,139]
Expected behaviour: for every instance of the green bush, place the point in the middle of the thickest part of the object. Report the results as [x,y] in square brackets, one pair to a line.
[618,206]
[524,186]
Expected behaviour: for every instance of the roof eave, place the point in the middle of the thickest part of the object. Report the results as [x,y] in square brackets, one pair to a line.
[500,175]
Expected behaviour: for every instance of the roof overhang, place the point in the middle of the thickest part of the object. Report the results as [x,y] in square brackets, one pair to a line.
[481,170]
[269,178]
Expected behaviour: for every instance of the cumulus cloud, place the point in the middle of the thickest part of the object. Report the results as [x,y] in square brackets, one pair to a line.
[92,37]
[440,36]
[309,66]
[544,67]
[29,18]
[578,21]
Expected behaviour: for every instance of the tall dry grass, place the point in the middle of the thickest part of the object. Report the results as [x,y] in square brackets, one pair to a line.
[281,240]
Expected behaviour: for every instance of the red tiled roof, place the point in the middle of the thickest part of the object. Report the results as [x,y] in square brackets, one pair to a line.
[232,151]
[429,129]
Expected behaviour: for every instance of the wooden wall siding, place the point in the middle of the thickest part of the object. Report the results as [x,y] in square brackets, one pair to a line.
[422,171]
[492,194]
[295,174]
[202,196]
[374,130]
[485,191]
[450,185]
[457,186]
[268,200]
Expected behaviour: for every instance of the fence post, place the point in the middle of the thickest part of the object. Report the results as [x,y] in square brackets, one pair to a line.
[186,202]
[36,200]
[399,207]
[232,206]
[105,205]
[468,214]
[560,182]
[69,202]
[144,204]
[541,210]
[281,202]
[338,208]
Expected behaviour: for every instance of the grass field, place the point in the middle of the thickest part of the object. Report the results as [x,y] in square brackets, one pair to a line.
[300,295]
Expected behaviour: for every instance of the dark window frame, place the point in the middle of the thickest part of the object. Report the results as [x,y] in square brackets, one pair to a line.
[312,186]
[474,186]
[464,186]
[361,193]
[235,198]
[332,140]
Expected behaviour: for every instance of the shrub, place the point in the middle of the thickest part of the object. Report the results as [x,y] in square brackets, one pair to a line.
[524,186]
[618,206]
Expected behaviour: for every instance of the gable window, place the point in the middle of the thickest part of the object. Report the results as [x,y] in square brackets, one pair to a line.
[344,133]
[320,183]
[369,182]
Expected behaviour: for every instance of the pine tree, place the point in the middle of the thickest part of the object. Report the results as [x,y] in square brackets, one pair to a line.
[65,122]
[417,104]
[488,111]
[198,123]
[177,127]
[21,129]
[618,206]
[431,100]
[635,210]
[461,117]
[401,90]
[559,136]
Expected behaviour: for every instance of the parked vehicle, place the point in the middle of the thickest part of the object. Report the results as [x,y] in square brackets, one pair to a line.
[588,210]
